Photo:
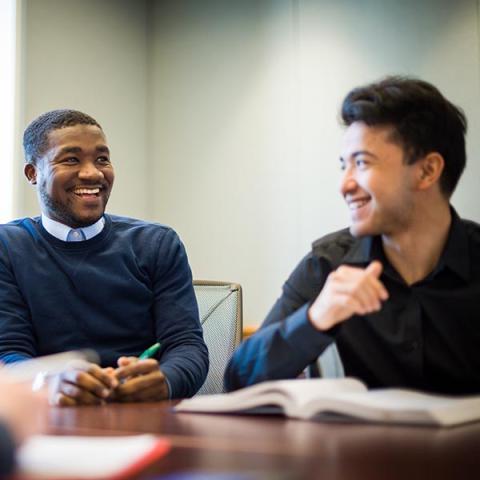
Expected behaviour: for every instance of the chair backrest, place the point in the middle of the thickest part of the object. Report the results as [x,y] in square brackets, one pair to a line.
[220,306]
[330,364]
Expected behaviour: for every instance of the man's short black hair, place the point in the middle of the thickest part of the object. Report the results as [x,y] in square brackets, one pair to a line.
[35,137]
[423,121]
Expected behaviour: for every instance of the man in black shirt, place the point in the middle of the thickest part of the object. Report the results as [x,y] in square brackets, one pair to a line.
[399,291]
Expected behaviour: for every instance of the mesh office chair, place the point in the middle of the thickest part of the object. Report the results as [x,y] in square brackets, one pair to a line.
[220,306]
[330,364]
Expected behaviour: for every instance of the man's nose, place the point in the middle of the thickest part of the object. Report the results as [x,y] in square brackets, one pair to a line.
[347,182]
[89,170]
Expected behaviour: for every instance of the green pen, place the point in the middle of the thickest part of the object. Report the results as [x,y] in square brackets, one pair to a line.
[150,351]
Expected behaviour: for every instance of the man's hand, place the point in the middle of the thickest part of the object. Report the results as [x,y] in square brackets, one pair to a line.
[140,381]
[86,384]
[348,291]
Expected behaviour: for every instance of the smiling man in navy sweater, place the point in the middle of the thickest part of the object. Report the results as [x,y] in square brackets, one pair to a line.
[79,278]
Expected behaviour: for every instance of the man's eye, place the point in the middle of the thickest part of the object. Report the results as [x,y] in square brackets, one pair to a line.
[70,160]
[103,160]
[360,162]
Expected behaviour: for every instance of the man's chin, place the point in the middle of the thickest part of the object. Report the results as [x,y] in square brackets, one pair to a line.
[359,229]
[82,221]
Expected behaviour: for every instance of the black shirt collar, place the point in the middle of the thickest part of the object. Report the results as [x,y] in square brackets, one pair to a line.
[455,255]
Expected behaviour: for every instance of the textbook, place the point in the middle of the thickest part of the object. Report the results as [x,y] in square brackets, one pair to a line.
[85,457]
[340,398]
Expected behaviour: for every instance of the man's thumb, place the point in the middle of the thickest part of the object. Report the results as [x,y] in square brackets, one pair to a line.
[375,268]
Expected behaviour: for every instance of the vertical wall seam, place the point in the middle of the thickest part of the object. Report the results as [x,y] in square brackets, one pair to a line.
[149,101]
[477,31]
[297,99]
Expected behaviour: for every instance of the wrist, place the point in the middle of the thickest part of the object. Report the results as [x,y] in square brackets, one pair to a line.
[319,319]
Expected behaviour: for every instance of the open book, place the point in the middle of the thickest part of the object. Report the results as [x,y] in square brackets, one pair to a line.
[345,397]
[102,458]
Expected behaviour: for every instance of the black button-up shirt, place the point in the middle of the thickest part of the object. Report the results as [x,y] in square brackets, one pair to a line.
[426,336]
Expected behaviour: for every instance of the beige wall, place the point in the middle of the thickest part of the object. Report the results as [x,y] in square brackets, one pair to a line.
[222,114]
[91,55]
[245,109]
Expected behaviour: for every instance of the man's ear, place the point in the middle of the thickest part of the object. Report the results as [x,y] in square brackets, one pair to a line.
[430,170]
[30,172]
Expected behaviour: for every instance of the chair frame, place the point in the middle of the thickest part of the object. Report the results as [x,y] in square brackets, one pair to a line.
[234,287]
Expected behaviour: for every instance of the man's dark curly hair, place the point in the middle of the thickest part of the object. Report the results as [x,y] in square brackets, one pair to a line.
[423,121]
[35,137]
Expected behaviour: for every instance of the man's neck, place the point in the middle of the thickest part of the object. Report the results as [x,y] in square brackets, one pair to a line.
[415,252]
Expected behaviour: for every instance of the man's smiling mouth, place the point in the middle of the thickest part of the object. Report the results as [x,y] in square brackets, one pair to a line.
[87,191]
[358,203]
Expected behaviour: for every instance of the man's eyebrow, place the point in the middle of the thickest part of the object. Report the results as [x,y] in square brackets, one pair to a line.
[356,154]
[98,148]
[69,150]
[102,148]
[363,152]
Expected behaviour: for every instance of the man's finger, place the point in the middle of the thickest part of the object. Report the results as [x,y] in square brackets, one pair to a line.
[141,382]
[147,387]
[380,287]
[140,367]
[124,361]
[86,381]
[375,268]
[61,400]
[82,397]
[103,376]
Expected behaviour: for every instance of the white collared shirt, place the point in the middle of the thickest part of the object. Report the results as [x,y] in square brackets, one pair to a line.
[60,231]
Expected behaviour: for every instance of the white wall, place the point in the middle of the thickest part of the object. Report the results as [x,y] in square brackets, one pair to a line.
[7,100]
[245,109]
[222,114]
[91,55]
[224,150]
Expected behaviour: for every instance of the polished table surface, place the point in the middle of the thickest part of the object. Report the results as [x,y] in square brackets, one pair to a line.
[272,447]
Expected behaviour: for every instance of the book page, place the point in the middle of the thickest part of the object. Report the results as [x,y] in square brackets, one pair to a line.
[286,394]
[405,405]
[399,406]
[305,390]
[396,399]
[52,456]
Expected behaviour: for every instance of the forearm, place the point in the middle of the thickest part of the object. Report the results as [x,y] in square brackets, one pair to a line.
[13,357]
[279,350]
[186,368]
[16,333]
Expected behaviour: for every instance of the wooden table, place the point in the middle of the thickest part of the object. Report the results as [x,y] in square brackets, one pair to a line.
[270,447]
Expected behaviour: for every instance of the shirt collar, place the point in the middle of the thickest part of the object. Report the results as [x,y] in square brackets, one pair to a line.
[60,231]
[362,251]
[455,254]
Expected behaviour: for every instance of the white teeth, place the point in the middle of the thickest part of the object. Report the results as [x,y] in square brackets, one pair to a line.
[87,191]
[354,205]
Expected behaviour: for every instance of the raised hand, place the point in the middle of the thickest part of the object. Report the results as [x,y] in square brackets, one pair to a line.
[348,291]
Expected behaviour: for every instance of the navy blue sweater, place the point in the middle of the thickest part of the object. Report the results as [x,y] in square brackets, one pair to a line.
[118,293]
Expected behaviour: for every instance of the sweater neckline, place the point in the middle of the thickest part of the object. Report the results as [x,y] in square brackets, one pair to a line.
[75,246]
